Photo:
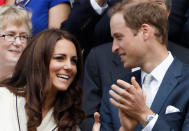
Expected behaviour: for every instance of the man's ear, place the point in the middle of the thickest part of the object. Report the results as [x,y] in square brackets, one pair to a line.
[146,31]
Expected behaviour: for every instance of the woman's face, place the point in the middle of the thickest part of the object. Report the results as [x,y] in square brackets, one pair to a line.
[11,49]
[63,66]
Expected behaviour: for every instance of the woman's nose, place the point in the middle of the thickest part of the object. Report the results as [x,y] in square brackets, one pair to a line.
[67,65]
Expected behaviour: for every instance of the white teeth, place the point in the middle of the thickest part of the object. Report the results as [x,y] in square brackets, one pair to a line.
[63,76]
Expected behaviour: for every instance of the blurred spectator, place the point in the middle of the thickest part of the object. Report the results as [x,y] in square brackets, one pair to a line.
[15,29]
[185,33]
[45,13]
[178,22]
[89,22]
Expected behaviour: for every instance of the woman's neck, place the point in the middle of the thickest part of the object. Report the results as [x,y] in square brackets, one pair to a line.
[49,102]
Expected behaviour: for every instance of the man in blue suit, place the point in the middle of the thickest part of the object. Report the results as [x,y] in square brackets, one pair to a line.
[140,39]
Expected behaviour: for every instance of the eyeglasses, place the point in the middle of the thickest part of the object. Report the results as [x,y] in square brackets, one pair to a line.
[12,38]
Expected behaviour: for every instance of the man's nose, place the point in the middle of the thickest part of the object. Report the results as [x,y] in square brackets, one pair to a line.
[115,47]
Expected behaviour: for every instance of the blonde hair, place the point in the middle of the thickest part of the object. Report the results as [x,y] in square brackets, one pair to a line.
[15,15]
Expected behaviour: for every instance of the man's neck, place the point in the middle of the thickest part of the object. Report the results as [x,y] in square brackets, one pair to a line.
[154,59]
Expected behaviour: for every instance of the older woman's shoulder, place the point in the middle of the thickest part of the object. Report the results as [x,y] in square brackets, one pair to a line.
[6,95]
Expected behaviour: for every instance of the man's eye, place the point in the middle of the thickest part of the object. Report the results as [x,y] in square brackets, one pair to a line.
[118,38]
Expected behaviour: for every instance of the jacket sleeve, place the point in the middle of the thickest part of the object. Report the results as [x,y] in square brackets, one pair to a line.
[92,88]
[105,113]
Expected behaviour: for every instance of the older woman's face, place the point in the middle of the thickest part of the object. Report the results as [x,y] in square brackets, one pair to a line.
[11,49]
[63,66]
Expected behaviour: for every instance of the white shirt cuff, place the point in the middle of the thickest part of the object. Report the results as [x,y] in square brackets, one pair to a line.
[99,10]
[151,124]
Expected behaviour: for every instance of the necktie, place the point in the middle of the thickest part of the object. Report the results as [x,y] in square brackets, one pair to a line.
[147,89]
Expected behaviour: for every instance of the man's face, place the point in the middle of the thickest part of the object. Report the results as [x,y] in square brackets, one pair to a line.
[129,46]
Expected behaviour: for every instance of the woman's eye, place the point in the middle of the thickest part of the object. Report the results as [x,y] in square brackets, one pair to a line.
[74,61]
[59,58]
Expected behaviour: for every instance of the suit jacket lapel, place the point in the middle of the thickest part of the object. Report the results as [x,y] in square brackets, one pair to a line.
[136,74]
[169,82]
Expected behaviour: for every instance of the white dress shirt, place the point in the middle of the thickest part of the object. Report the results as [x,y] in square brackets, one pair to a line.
[158,74]
[99,10]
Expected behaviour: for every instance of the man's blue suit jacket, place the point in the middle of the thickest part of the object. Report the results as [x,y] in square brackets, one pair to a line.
[174,90]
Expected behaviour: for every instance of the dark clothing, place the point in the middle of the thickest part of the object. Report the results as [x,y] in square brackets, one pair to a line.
[179,51]
[102,67]
[177,19]
[90,28]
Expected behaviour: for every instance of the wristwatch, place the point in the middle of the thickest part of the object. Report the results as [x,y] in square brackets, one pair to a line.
[149,118]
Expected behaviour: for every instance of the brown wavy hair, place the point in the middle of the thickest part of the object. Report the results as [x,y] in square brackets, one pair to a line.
[31,79]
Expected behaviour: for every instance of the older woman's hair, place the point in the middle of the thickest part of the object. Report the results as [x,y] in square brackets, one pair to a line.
[31,79]
[15,15]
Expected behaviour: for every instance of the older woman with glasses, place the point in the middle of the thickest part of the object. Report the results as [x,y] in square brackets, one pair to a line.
[15,29]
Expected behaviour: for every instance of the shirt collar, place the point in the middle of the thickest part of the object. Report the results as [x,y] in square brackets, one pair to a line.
[159,72]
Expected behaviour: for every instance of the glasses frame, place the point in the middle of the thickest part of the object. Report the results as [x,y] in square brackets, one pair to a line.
[11,38]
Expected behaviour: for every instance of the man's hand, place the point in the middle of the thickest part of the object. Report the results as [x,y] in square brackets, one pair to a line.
[130,99]
[127,123]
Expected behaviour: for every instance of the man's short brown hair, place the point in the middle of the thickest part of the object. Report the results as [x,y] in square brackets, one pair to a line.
[136,13]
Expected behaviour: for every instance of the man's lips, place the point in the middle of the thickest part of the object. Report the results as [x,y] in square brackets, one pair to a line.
[122,56]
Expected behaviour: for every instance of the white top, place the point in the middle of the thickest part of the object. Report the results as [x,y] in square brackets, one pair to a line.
[8,114]
[98,9]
